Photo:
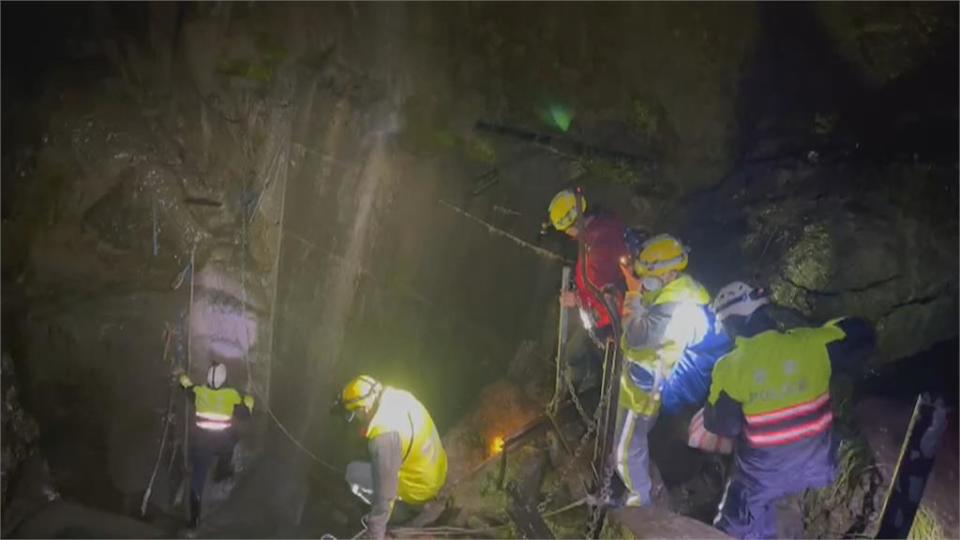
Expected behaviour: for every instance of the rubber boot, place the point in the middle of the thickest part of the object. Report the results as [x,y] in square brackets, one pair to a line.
[194,510]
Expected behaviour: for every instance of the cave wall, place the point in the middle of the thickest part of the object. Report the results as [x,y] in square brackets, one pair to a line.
[308,159]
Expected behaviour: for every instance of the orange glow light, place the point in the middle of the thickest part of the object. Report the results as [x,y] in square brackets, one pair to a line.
[496,445]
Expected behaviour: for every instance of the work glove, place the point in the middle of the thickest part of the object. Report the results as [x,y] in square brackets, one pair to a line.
[568,299]
[633,307]
[248,401]
[629,278]
[185,380]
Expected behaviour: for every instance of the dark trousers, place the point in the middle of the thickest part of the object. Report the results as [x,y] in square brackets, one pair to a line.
[206,447]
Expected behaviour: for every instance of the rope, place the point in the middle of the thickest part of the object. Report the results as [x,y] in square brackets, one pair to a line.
[185,447]
[167,419]
[500,232]
[297,443]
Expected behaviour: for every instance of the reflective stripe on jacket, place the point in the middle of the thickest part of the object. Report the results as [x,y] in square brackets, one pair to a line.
[782,380]
[424,468]
[214,408]
[661,327]
[791,424]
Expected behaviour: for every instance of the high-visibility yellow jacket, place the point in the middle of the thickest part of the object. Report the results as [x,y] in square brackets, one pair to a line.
[661,325]
[423,470]
[214,408]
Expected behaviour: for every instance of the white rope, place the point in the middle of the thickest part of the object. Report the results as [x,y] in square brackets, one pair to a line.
[167,420]
[500,232]
[290,436]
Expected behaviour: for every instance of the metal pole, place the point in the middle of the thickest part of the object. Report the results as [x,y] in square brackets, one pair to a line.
[917,455]
[559,385]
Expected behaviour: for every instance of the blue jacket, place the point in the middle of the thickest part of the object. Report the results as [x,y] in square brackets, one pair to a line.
[689,383]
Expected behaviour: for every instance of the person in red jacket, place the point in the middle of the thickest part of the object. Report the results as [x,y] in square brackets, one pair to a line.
[601,237]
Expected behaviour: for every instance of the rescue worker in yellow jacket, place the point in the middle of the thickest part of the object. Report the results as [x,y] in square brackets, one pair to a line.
[213,436]
[666,322]
[408,463]
[772,394]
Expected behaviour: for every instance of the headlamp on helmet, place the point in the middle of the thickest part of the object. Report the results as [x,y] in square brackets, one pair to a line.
[358,394]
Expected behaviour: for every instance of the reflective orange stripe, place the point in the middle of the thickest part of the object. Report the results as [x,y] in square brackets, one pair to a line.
[788,412]
[793,434]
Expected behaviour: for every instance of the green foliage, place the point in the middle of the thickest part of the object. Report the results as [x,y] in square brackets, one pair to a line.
[925,526]
[855,461]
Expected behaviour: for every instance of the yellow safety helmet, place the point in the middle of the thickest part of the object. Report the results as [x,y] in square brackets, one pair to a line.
[563,209]
[360,393]
[660,255]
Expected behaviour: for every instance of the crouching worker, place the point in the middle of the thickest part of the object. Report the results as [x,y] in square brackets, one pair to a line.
[772,393]
[213,436]
[408,465]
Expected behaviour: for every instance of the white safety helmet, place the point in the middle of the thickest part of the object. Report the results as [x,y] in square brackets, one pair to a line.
[738,298]
[216,375]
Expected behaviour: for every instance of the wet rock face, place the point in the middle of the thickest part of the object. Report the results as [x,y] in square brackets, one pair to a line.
[832,241]
[843,255]
[20,430]
[225,319]
[886,43]
[122,178]
[845,198]
[876,259]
